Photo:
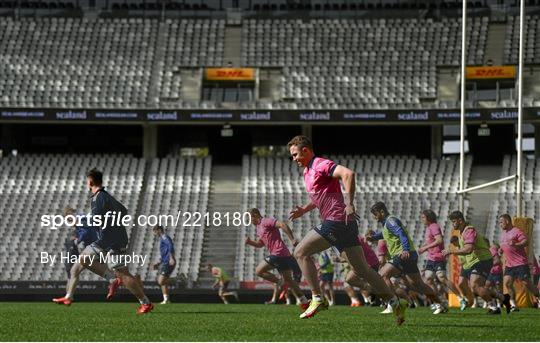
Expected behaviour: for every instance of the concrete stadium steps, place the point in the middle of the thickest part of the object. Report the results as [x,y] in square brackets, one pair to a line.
[480,200]
[220,242]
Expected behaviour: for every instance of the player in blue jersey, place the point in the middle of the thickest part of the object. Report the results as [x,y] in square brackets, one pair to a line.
[112,241]
[166,263]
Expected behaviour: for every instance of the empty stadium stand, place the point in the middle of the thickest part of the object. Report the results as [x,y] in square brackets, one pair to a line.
[77,63]
[36,185]
[136,62]
[531,49]
[333,63]
[172,185]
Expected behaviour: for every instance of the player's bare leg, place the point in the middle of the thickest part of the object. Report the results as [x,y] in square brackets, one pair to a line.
[365,289]
[163,282]
[357,261]
[418,285]
[295,289]
[351,293]
[71,286]
[380,282]
[477,285]
[263,271]
[311,244]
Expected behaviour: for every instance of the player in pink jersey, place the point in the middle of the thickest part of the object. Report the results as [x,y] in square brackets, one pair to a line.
[279,256]
[434,245]
[338,228]
[513,242]
[494,279]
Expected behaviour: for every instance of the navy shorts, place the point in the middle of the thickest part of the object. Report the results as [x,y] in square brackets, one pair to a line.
[465,273]
[435,266]
[327,277]
[338,234]
[481,268]
[495,278]
[519,272]
[536,278]
[408,266]
[165,269]
[281,263]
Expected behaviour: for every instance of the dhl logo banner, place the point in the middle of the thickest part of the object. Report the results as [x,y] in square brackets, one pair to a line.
[230,74]
[500,72]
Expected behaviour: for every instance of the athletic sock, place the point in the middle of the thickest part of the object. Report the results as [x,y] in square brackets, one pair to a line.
[144,301]
[512,302]
[165,297]
[316,298]
[68,295]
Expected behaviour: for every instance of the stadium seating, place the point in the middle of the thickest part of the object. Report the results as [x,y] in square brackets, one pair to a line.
[103,63]
[333,63]
[406,184]
[36,185]
[77,63]
[187,43]
[136,62]
[172,185]
[531,48]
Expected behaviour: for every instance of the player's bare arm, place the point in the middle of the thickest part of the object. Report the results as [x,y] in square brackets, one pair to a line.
[256,244]
[285,228]
[348,178]
[300,211]
[467,249]
[438,240]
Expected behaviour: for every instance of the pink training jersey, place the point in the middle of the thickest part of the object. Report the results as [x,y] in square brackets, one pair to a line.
[371,257]
[515,256]
[469,236]
[435,253]
[497,268]
[269,234]
[324,190]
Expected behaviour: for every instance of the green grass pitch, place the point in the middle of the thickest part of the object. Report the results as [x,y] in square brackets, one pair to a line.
[237,322]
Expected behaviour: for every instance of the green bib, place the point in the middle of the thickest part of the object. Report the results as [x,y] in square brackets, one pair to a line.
[480,252]
[329,268]
[393,242]
[224,276]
